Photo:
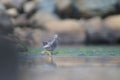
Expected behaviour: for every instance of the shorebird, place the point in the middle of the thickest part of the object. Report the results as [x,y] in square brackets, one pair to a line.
[50,46]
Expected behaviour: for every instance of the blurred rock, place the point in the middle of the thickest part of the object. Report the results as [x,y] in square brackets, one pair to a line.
[95,7]
[22,21]
[98,32]
[29,7]
[2,7]
[22,33]
[65,9]
[12,12]
[118,6]
[5,2]
[62,25]
[70,31]
[93,25]
[35,38]
[41,17]
[31,37]
[13,3]
[6,31]
[63,4]
[113,22]
[6,25]
[47,36]
[52,14]
[95,31]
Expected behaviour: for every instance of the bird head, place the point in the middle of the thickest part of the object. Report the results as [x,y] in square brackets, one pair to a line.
[55,36]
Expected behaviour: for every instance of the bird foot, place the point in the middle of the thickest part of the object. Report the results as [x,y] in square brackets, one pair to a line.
[48,53]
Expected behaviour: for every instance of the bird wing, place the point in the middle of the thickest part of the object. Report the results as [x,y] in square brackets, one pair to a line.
[51,45]
[48,47]
[54,44]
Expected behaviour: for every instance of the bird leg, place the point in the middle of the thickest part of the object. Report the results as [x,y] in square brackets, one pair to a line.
[49,55]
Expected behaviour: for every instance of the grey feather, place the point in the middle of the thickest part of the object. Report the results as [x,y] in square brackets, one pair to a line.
[50,46]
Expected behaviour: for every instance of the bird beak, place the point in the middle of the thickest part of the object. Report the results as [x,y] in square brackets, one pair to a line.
[55,36]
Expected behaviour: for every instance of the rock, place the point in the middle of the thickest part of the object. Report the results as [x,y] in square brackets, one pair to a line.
[95,7]
[21,33]
[36,38]
[62,25]
[13,3]
[95,31]
[22,20]
[93,25]
[7,30]
[70,31]
[6,25]
[29,7]
[113,22]
[47,36]
[66,9]
[98,33]
[41,17]
[12,12]
[5,2]
[117,6]
[2,10]
[63,4]
[31,37]
[2,7]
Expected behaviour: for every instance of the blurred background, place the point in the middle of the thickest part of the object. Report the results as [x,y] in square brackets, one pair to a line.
[75,21]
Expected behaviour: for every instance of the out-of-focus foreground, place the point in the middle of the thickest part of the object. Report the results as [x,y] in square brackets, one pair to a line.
[72,68]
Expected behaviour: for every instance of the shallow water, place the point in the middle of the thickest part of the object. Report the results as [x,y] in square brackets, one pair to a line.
[78,73]
[72,61]
[73,68]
